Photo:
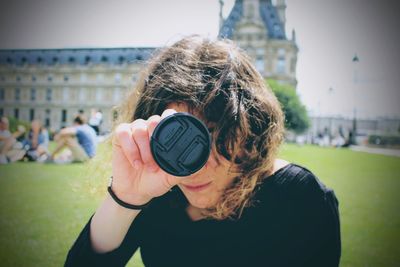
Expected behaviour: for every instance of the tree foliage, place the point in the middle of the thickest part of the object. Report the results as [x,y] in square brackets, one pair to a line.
[14,123]
[296,118]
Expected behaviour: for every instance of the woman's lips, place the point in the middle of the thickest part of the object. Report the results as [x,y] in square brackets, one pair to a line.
[197,188]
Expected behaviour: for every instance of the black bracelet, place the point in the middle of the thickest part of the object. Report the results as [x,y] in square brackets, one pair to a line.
[122,203]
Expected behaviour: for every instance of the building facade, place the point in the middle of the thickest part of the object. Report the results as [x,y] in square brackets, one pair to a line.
[258,26]
[53,85]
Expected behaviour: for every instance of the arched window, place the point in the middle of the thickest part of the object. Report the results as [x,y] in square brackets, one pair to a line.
[281,62]
[33,94]
[47,118]
[2,94]
[31,114]
[260,65]
[17,94]
[63,116]
[49,94]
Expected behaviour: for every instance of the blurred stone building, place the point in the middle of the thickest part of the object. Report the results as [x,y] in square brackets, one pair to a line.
[258,26]
[53,85]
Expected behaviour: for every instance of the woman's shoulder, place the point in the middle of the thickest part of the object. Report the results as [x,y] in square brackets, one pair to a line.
[292,174]
[296,181]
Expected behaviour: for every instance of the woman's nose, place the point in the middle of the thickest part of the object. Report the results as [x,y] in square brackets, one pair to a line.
[211,162]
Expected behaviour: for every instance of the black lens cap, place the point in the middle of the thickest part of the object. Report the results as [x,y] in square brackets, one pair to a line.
[181,144]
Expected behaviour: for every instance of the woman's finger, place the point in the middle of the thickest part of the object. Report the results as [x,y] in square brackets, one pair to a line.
[123,138]
[152,123]
[168,112]
[141,137]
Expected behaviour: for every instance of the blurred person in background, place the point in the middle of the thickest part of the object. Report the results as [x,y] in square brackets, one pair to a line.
[5,134]
[36,144]
[80,139]
[96,118]
[11,149]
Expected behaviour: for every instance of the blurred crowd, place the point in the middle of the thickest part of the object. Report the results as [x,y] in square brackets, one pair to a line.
[75,143]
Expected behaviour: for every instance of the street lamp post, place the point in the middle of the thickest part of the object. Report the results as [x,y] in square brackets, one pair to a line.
[355,60]
[330,93]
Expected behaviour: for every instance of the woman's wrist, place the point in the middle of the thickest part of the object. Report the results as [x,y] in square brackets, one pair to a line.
[118,210]
[129,199]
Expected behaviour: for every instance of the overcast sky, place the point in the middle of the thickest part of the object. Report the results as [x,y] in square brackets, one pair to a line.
[329,33]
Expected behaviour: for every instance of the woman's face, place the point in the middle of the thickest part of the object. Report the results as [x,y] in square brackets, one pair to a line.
[204,188]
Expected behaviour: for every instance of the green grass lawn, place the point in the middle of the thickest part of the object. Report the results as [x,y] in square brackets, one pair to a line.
[44,207]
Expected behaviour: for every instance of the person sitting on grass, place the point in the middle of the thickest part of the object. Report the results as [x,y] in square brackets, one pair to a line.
[96,118]
[10,149]
[5,134]
[80,139]
[244,207]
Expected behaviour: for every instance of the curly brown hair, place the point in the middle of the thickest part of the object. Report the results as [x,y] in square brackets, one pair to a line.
[216,80]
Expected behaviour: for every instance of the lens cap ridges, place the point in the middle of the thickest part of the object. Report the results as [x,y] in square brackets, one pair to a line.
[181,144]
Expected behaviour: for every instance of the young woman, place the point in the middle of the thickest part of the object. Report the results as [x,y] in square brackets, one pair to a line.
[245,207]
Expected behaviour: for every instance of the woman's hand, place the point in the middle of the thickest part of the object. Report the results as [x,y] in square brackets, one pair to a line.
[136,176]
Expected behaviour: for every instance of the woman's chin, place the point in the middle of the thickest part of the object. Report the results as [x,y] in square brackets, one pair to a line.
[200,203]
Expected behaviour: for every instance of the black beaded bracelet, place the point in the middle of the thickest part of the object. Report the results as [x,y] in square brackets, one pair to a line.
[122,203]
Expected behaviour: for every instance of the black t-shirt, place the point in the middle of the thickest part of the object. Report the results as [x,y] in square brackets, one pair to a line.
[294,221]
